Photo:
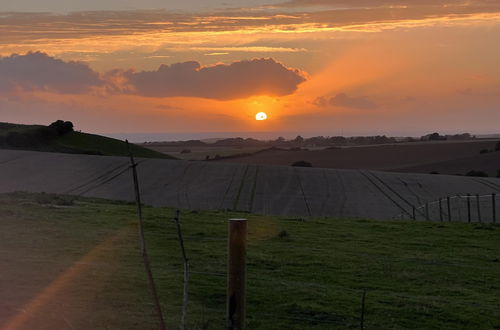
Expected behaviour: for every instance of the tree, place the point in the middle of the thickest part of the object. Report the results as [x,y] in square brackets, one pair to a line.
[302,163]
[61,127]
[477,173]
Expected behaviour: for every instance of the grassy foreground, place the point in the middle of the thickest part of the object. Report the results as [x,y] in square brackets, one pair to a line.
[75,263]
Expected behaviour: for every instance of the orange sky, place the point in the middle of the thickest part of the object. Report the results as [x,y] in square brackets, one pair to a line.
[360,67]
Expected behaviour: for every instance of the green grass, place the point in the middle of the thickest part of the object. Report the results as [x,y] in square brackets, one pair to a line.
[103,145]
[302,274]
[82,143]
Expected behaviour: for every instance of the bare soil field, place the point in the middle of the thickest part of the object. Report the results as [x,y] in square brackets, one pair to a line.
[426,157]
[488,163]
[261,189]
[201,153]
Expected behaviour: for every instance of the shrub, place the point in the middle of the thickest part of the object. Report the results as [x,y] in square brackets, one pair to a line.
[61,127]
[283,234]
[484,151]
[498,173]
[497,146]
[477,173]
[434,172]
[302,163]
[185,151]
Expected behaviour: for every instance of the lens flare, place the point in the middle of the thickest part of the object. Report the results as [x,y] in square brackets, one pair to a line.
[261,116]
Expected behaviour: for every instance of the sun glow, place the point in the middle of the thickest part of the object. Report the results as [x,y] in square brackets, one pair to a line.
[261,116]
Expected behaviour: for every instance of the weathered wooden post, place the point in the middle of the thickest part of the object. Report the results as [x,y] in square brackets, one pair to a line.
[478,203]
[427,211]
[449,208]
[363,303]
[441,209]
[236,272]
[494,207]
[414,213]
[469,217]
[145,255]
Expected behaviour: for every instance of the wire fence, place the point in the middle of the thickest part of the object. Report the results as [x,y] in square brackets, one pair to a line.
[458,208]
[301,298]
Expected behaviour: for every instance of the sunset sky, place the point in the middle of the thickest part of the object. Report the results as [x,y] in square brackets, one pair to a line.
[394,67]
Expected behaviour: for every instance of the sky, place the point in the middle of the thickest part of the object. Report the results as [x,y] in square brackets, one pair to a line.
[329,67]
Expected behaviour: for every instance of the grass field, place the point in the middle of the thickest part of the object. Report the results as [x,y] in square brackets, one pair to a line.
[81,143]
[75,263]
[104,145]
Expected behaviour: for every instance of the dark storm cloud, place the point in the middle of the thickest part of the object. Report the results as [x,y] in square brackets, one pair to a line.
[236,80]
[345,101]
[38,71]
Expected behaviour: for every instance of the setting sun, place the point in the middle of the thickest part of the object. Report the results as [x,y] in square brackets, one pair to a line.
[261,116]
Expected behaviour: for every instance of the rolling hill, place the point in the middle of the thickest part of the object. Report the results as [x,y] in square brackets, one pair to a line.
[261,189]
[41,138]
[448,157]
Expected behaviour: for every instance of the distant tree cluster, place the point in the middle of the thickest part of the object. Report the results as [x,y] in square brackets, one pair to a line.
[302,163]
[476,173]
[300,143]
[36,136]
[439,137]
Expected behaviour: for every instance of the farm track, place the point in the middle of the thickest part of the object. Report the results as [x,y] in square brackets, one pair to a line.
[489,184]
[261,189]
[384,192]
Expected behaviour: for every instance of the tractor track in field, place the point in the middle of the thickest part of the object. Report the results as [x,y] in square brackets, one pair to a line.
[379,188]
[273,190]
[297,172]
[488,184]
[230,184]
[97,179]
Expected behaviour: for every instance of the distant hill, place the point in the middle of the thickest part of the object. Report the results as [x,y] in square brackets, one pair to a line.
[60,137]
[445,157]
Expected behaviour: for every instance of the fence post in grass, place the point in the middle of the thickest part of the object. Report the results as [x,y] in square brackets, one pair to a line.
[449,208]
[494,207]
[414,213]
[478,203]
[427,210]
[468,209]
[441,209]
[185,298]
[363,300]
[142,239]
[236,283]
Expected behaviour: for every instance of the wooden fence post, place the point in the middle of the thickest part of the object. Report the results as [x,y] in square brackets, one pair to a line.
[441,209]
[427,211]
[145,255]
[449,208]
[494,207]
[363,301]
[469,216]
[236,283]
[478,204]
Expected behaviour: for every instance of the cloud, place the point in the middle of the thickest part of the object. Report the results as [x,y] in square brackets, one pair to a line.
[223,82]
[41,72]
[38,71]
[379,3]
[345,101]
